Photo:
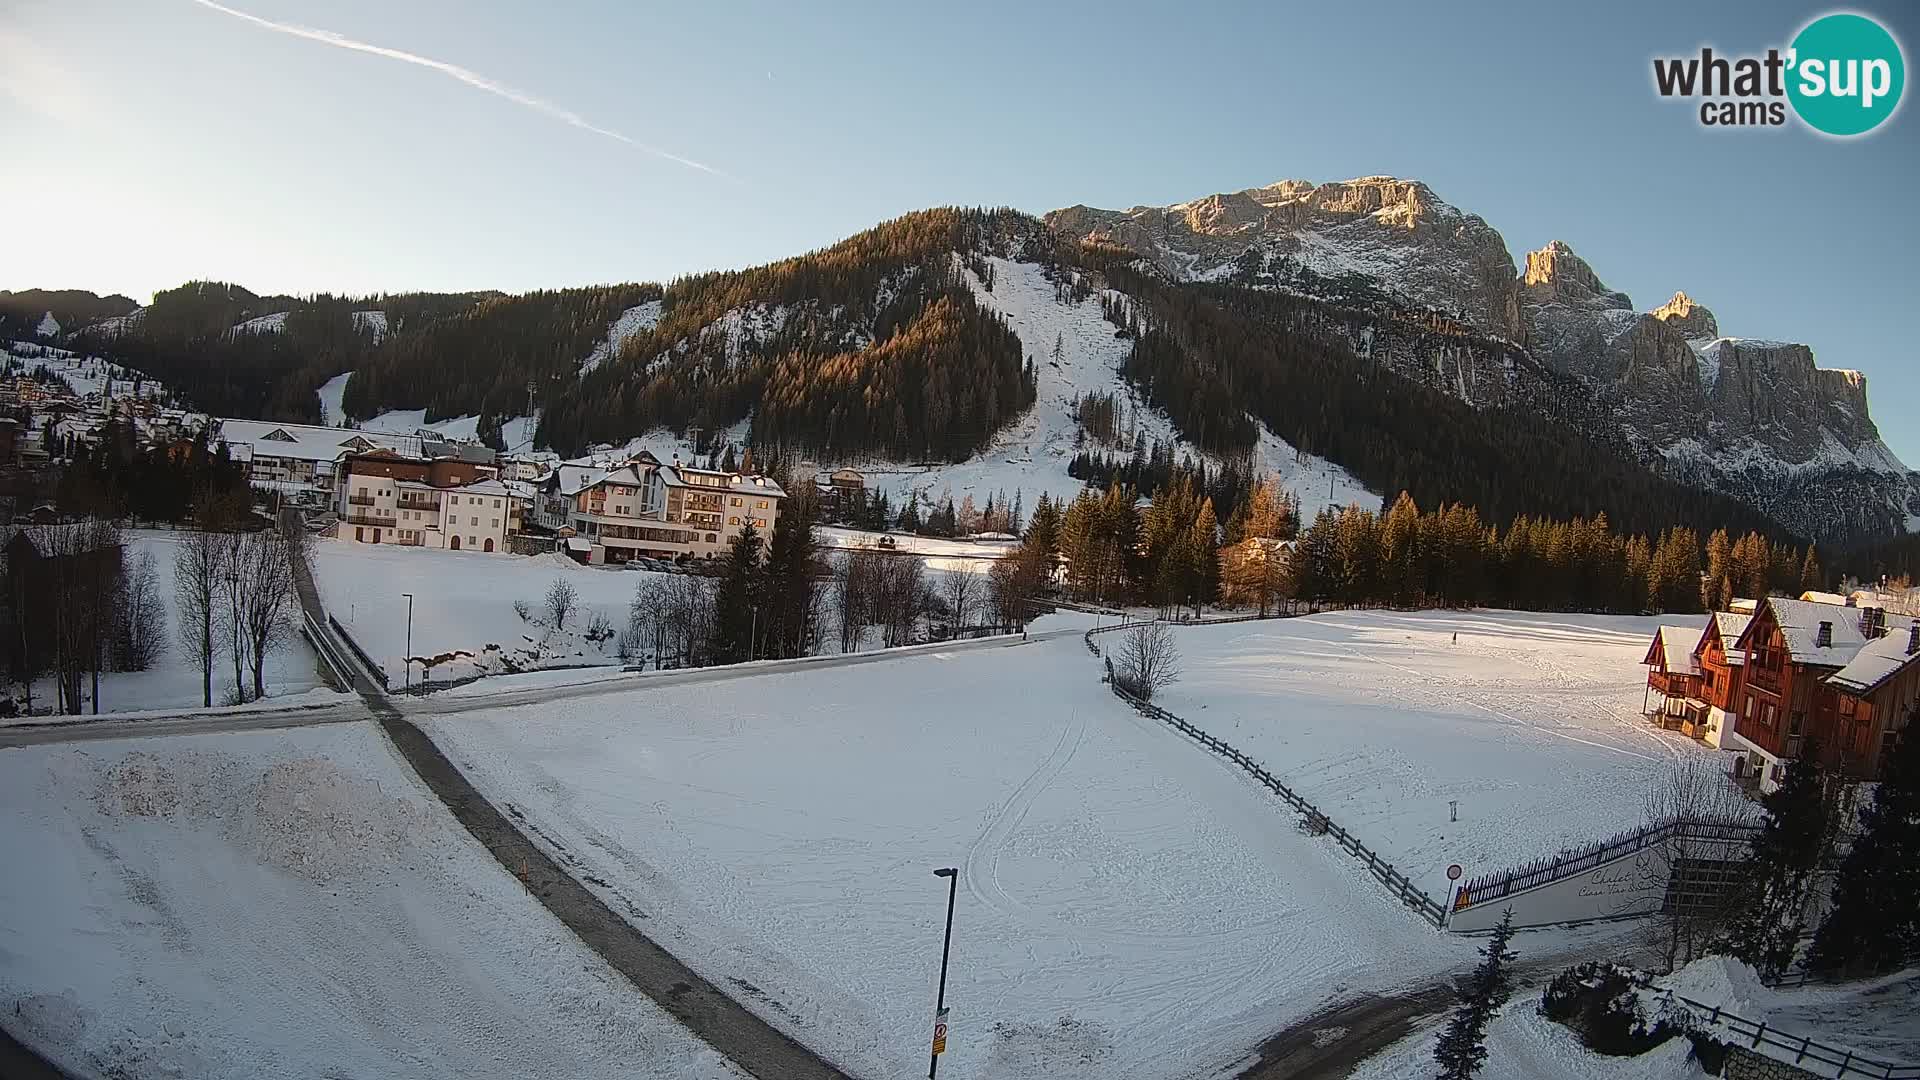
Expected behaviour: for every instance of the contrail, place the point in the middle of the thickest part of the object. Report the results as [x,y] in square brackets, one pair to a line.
[471,78]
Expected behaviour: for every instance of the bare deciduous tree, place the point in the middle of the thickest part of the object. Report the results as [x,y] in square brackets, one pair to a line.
[142,632]
[199,565]
[1701,865]
[1012,585]
[1148,660]
[958,591]
[264,569]
[562,598]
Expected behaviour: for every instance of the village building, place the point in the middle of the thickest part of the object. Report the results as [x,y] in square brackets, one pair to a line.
[644,509]
[1868,703]
[1722,666]
[1673,674]
[448,503]
[301,457]
[1791,647]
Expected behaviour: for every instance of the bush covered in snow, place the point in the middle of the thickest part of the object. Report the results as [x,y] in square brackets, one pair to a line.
[1601,1003]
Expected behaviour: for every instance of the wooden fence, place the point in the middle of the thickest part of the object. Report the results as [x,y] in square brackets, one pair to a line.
[1807,1053]
[1317,822]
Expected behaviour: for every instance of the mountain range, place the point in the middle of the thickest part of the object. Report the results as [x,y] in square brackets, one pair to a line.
[1362,335]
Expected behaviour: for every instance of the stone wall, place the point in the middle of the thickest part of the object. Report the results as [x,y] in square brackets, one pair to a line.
[1745,1064]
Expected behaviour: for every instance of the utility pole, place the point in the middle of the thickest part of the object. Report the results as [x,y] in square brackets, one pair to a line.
[408,659]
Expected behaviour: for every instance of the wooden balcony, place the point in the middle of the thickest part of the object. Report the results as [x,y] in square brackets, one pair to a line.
[1768,679]
[360,500]
[378,521]
[1674,684]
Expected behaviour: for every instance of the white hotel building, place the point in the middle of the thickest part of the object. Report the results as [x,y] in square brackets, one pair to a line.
[644,508]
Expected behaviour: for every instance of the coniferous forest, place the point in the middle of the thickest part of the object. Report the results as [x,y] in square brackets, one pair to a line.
[877,348]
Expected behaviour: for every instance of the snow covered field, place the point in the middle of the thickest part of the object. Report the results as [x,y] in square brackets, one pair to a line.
[174,680]
[463,602]
[1127,906]
[1531,721]
[289,904]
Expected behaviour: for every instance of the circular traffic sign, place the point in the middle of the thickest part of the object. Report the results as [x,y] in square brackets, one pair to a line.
[1453,872]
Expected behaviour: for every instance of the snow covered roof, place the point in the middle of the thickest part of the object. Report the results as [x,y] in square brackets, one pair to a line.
[1880,660]
[1800,626]
[1730,625]
[1674,645]
[579,543]
[308,442]
[484,487]
[573,479]
[1815,597]
[749,483]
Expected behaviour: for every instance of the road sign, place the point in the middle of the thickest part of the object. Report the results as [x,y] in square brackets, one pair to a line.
[940,1033]
[1453,872]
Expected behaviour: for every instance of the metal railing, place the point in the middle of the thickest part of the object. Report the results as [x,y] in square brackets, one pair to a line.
[1496,886]
[379,673]
[1755,1035]
[1317,822]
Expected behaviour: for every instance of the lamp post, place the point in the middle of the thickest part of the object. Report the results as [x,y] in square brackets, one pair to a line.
[408,659]
[940,1004]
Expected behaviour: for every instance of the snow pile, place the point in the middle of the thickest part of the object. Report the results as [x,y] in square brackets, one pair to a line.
[1523,1045]
[632,322]
[289,904]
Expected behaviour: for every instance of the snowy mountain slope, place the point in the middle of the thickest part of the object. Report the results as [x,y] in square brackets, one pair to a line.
[375,321]
[330,393]
[1758,420]
[1031,455]
[86,374]
[632,322]
[49,326]
[265,324]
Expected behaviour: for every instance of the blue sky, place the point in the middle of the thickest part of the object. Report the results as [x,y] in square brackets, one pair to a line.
[154,141]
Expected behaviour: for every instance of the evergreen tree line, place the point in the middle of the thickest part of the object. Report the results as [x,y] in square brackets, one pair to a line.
[1217,358]
[122,478]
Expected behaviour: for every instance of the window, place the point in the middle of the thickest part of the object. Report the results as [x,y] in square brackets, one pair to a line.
[473,520]
[472,540]
[496,504]
[496,523]
[736,501]
[454,499]
[711,539]
[733,520]
[1772,714]
[1748,711]
[761,505]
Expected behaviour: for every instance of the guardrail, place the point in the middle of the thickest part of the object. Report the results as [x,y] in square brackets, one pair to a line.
[322,644]
[1318,823]
[373,669]
[1755,1034]
[1488,888]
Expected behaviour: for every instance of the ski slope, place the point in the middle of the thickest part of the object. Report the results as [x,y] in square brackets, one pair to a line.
[1127,906]
[1530,721]
[289,905]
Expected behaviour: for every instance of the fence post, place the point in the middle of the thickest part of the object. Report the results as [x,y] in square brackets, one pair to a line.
[1758,1032]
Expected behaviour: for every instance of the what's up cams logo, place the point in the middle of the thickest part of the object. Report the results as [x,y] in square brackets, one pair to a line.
[1842,76]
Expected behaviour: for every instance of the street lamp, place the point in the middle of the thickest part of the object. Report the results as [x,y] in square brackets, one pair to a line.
[940,1004]
[408,659]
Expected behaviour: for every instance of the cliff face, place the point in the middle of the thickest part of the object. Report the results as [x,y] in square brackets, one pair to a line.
[1395,233]
[1753,418]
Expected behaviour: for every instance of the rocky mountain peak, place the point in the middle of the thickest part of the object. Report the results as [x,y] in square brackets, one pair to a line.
[1691,320]
[1554,274]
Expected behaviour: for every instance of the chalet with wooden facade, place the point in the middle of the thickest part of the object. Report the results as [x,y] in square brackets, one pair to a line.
[1673,674]
[1868,703]
[1791,647]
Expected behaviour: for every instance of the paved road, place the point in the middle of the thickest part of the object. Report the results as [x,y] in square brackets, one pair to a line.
[723,1023]
[185,724]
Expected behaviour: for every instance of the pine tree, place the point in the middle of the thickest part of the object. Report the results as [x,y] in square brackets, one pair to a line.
[1810,578]
[1043,529]
[734,603]
[1874,925]
[790,586]
[1462,1048]
[1785,856]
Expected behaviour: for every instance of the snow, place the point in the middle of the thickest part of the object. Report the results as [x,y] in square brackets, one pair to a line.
[49,326]
[1127,906]
[1031,454]
[1800,621]
[1531,722]
[372,320]
[1523,1045]
[174,682]
[1877,662]
[632,322]
[331,392]
[1676,644]
[834,536]
[265,324]
[86,374]
[517,434]
[463,604]
[119,324]
[1879,1018]
[289,904]
[414,421]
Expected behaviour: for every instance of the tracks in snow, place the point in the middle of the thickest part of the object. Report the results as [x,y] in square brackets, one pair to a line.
[982,870]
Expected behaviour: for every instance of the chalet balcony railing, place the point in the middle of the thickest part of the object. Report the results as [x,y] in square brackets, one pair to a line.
[1672,684]
[370,519]
[360,500]
[1767,679]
